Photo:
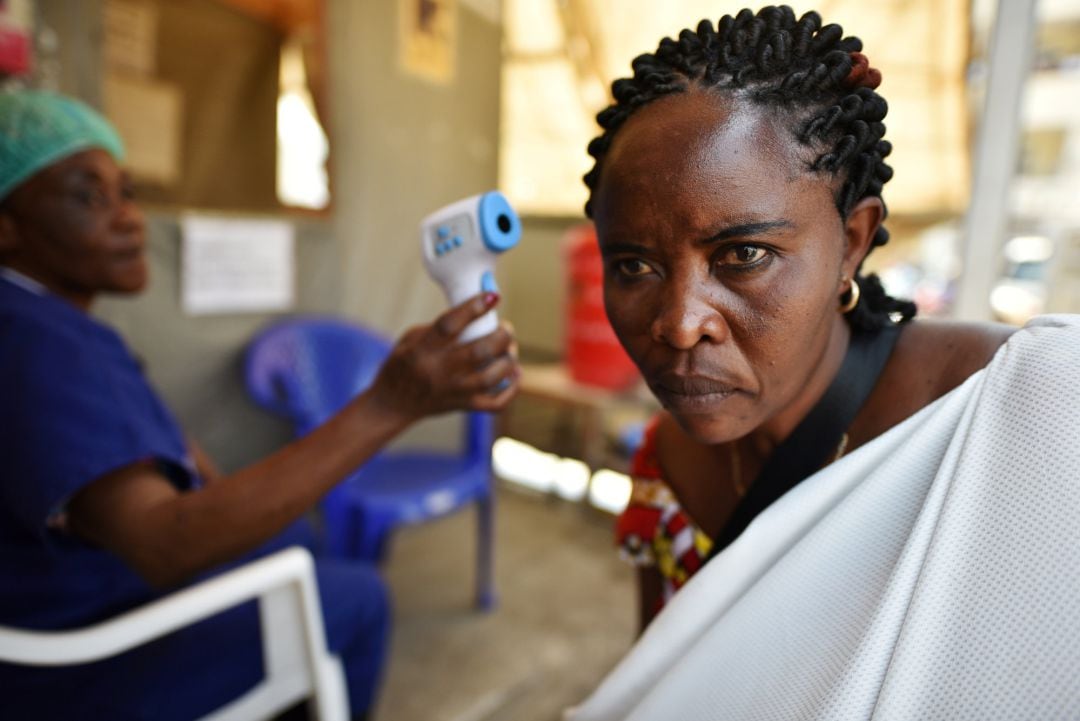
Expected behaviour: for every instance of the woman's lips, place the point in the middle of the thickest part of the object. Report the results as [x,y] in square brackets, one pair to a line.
[691,393]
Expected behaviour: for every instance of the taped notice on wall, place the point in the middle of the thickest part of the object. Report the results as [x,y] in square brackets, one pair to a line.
[236,265]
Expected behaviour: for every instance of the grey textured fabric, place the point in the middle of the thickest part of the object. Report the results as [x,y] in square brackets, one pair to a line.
[932,574]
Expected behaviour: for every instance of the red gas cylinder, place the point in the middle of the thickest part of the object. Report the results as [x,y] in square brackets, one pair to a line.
[593,353]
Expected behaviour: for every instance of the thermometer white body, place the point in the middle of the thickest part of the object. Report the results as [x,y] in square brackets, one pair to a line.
[460,243]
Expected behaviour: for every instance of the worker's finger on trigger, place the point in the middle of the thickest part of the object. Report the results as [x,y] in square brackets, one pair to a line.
[506,325]
[490,376]
[495,400]
[481,351]
[450,324]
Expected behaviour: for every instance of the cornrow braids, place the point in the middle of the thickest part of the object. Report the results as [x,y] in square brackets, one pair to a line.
[809,71]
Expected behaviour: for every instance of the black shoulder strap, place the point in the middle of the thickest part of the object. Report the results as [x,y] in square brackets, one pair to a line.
[809,446]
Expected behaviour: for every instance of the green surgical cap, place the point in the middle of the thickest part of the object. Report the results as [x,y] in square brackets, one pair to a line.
[39,128]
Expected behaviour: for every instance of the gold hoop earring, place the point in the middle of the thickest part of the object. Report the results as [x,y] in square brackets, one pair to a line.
[853,300]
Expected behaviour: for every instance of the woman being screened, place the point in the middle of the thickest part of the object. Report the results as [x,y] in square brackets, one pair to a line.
[736,192]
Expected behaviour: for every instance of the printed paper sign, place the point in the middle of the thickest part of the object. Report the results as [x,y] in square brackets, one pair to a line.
[237,265]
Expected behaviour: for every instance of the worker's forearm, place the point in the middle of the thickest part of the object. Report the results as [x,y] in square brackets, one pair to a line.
[206,468]
[168,536]
[197,531]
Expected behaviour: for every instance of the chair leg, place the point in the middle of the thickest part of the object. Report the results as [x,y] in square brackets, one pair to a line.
[485,586]
[371,539]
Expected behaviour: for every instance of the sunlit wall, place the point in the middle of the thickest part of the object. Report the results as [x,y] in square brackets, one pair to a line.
[560,57]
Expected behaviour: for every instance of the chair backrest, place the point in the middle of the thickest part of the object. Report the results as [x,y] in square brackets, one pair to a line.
[307,368]
[296,659]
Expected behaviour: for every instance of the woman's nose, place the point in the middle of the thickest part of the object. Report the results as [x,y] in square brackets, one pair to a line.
[129,217]
[689,315]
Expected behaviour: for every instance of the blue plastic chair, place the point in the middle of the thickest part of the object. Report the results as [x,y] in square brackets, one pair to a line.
[306,369]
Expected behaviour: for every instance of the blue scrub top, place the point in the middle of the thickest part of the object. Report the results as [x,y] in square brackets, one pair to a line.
[74,405]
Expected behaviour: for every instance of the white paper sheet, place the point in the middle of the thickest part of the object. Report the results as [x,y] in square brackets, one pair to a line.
[235,265]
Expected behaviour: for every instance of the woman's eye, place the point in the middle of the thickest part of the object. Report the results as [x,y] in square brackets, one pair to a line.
[632,268]
[743,255]
[91,197]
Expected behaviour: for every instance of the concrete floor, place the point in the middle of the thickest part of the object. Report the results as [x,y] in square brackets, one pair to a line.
[565,615]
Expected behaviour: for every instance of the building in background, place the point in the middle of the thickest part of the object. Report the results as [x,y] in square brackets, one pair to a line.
[1039,262]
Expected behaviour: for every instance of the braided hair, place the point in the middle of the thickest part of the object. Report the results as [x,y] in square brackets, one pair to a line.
[814,75]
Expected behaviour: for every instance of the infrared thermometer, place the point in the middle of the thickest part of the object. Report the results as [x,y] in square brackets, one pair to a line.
[460,244]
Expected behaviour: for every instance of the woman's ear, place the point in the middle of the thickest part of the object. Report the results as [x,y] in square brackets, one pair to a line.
[859,229]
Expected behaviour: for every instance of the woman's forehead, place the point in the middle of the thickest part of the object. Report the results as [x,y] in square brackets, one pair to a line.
[90,165]
[699,128]
[697,154]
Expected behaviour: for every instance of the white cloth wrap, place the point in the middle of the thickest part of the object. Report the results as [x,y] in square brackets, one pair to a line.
[934,573]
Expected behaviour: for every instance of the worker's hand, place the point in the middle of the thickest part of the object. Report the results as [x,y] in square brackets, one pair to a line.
[430,371]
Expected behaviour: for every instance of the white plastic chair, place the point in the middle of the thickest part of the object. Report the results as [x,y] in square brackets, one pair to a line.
[298,664]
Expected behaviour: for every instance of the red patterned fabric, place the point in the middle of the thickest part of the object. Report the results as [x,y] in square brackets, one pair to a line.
[654,530]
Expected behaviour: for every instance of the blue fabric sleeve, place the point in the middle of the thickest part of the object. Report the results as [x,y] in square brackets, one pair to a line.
[76,407]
